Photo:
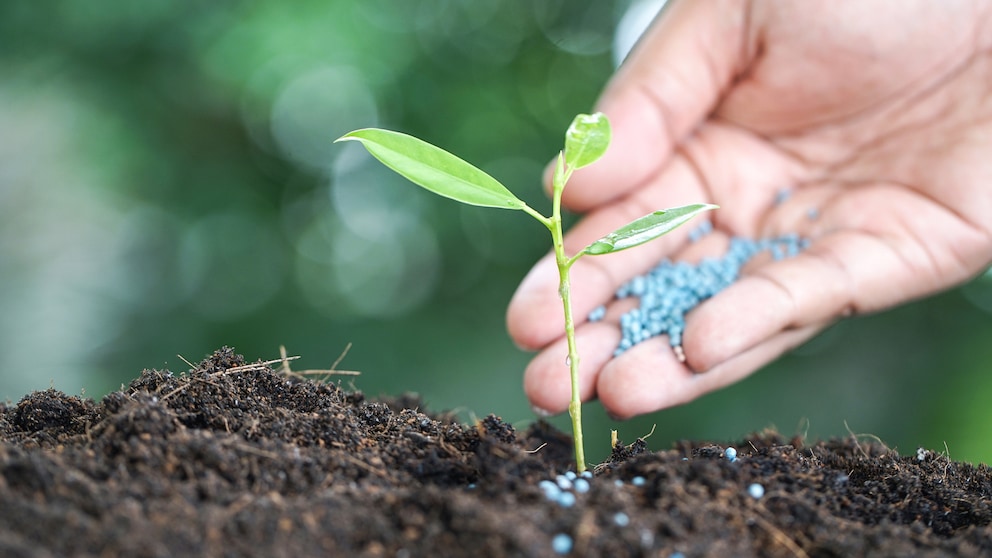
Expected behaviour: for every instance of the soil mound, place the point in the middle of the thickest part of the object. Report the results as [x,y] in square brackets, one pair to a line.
[236,459]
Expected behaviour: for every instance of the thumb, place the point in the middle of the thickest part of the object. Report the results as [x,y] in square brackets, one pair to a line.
[669,84]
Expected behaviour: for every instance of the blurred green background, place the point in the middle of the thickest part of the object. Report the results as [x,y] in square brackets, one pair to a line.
[168,185]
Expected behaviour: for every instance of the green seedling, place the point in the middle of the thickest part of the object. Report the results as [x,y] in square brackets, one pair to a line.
[447,175]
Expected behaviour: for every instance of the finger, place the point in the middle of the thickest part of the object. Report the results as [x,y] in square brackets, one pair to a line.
[814,286]
[547,377]
[869,256]
[663,91]
[648,377]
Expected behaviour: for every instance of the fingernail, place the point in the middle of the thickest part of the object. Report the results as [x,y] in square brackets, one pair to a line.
[544,413]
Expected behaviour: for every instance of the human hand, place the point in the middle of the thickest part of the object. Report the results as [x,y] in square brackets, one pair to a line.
[877,115]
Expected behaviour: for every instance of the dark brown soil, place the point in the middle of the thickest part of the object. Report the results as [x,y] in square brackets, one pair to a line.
[239,460]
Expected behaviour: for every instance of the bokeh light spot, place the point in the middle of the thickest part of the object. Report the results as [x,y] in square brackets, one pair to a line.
[317,107]
[368,197]
[345,275]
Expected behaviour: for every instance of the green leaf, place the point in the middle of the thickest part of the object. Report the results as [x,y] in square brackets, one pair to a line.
[649,227]
[434,169]
[586,139]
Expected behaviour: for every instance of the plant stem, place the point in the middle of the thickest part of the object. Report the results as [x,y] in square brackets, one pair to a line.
[564,264]
[575,405]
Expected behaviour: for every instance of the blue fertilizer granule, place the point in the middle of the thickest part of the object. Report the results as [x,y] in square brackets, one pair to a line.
[731,454]
[597,313]
[669,291]
[551,490]
[561,543]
